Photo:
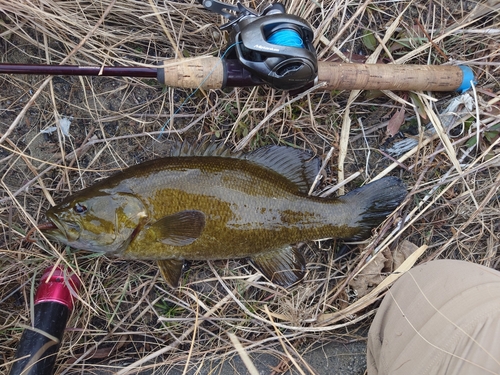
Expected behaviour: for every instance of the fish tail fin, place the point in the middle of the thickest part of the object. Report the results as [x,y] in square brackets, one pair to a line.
[374,202]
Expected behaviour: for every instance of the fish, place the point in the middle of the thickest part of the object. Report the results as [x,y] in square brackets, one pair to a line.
[206,203]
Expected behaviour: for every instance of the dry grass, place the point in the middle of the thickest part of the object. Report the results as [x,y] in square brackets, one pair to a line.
[127,317]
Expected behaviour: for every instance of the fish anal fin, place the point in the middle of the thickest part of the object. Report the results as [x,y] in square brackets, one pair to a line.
[179,229]
[171,270]
[284,266]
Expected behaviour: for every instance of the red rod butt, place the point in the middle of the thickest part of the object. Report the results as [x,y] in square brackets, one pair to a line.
[56,285]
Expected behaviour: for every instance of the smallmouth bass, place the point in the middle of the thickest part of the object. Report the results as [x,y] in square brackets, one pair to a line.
[218,206]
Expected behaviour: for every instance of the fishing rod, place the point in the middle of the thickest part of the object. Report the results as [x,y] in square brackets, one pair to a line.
[273,48]
[37,350]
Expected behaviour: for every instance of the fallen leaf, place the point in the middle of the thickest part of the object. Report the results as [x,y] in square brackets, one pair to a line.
[402,252]
[415,99]
[100,353]
[371,297]
[370,276]
[369,40]
[395,122]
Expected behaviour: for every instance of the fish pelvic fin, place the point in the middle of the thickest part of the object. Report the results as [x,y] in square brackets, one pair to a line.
[375,201]
[284,266]
[179,229]
[171,270]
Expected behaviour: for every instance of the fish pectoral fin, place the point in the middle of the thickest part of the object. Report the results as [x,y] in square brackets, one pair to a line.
[284,266]
[179,229]
[171,270]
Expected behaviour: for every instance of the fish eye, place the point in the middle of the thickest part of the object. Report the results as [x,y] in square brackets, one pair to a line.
[79,208]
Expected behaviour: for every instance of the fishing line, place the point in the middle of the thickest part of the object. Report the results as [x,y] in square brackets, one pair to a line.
[286,37]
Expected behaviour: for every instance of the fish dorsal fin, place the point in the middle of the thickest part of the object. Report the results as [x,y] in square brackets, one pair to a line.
[297,166]
[171,270]
[202,148]
[179,229]
[284,266]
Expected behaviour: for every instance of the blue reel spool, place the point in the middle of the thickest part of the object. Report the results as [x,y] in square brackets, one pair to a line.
[286,37]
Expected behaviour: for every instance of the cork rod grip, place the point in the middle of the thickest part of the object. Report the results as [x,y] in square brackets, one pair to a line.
[345,76]
[213,73]
[191,73]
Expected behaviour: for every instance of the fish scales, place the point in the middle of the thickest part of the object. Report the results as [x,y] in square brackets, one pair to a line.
[248,209]
[216,207]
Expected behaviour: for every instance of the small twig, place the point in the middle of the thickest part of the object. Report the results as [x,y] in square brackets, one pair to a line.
[243,354]
[334,188]
[367,163]
[401,165]
[48,79]
[244,142]
[320,172]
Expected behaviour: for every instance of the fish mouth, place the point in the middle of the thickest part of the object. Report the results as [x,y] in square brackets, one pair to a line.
[52,229]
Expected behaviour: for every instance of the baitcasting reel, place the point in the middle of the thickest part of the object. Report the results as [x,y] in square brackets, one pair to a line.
[273,46]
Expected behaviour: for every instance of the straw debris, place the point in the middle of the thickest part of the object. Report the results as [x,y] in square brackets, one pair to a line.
[127,319]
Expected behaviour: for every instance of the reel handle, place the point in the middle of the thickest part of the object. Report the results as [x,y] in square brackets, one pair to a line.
[214,73]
